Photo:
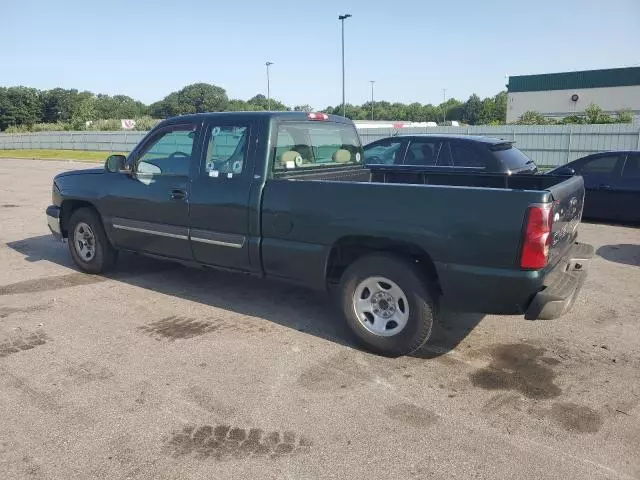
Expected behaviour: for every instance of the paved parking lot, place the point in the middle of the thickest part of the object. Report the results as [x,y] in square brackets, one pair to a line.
[159,371]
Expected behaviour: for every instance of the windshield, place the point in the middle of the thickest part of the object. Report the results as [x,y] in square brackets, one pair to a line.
[316,144]
[514,160]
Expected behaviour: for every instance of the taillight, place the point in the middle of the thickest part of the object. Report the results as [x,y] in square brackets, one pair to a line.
[317,116]
[537,237]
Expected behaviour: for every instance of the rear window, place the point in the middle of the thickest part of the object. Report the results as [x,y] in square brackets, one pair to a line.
[316,144]
[512,158]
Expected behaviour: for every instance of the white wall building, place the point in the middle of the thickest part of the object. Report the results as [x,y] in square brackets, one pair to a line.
[559,95]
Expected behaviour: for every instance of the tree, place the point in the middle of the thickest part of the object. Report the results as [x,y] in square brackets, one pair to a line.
[303,108]
[472,110]
[195,98]
[595,114]
[624,116]
[260,102]
[532,118]
[20,106]
[84,111]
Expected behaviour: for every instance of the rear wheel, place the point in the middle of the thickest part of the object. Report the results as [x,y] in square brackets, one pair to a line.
[88,243]
[388,304]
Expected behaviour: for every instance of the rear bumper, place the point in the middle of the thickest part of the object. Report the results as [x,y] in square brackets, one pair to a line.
[562,285]
[53,221]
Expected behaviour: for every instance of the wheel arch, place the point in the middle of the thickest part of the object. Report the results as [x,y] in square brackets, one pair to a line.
[348,249]
[66,210]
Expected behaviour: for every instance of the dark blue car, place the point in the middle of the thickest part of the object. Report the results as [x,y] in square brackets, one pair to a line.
[612,183]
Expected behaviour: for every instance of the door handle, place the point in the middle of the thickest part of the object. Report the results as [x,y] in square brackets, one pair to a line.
[605,187]
[178,194]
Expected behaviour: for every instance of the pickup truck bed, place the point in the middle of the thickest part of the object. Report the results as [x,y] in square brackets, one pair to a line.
[472,235]
[284,195]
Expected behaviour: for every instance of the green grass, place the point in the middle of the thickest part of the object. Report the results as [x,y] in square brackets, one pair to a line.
[76,155]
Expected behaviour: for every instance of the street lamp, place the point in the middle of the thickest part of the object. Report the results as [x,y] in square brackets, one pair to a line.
[268,64]
[444,107]
[372,82]
[342,18]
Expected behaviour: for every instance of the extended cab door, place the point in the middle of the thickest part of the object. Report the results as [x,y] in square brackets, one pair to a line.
[148,210]
[220,195]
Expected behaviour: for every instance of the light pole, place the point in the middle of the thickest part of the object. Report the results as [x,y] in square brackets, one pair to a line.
[268,64]
[342,18]
[444,107]
[372,82]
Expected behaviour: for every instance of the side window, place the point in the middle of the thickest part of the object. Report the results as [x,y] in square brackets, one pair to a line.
[423,152]
[169,153]
[605,165]
[465,156]
[444,159]
[632,167]
[226,150]
[388,152]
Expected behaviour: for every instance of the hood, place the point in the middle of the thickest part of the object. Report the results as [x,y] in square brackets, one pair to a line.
[84,171]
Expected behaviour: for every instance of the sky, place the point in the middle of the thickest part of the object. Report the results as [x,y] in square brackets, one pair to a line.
[413,49]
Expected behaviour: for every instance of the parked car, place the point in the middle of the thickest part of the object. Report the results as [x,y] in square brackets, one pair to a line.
[450,153]
[612,183]
[285,196]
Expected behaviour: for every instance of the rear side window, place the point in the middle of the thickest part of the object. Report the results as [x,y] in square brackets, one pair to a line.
[512,158]
[465,156]
[602,165]
[315,145]
[632,167]
[423,152]
[226,150]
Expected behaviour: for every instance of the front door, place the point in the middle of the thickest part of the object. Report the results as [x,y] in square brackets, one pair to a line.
[220,194]
[148,210]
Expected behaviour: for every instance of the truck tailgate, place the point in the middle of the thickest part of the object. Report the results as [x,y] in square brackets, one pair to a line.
[568,202]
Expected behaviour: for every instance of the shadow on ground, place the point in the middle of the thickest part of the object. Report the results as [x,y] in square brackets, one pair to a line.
[289,306]
[621,253]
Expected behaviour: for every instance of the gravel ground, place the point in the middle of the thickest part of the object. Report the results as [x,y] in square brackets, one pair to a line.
[159,371]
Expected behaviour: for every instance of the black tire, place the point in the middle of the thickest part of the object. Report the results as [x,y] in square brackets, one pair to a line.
[105,255]
[420,296]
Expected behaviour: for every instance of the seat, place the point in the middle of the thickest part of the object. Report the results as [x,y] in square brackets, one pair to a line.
[341,156]
[427,155]
[290,159]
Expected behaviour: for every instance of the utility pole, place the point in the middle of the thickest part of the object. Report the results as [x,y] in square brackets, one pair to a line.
[372,82]
[342,18]
[444,108]
[268,64]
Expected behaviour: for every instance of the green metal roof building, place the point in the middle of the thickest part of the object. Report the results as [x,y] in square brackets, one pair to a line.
[569,93]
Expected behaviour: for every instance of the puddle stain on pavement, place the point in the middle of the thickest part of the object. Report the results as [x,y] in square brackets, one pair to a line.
[6,311]
[223,442]
[518,367]
[411,415]
[50,283]
[576,418]
[177,328]
[22,343]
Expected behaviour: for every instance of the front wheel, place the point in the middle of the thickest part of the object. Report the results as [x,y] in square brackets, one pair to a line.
[88,243]
[388,304]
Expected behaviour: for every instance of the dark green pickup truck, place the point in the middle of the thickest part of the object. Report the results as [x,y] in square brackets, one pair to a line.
[285,195]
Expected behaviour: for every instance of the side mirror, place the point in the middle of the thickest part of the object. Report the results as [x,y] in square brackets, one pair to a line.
[565,171]
[117,163]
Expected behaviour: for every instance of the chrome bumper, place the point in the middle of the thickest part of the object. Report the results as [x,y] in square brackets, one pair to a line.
[53,221]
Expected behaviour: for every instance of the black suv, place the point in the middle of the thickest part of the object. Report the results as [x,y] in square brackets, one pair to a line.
[455,153]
